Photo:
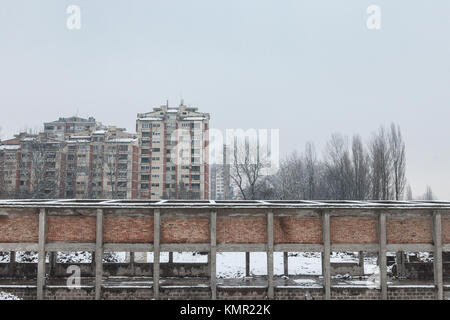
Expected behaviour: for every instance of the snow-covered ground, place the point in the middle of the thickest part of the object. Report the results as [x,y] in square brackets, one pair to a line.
[229,264]
[232,264]
[8,296]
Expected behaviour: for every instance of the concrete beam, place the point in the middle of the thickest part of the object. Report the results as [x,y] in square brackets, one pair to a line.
[437,261]
[128,247]
[212,255]
[270,288]
[415,247]
[244,247]
[41,254]
[355,247]
[99,254]
[156,251]
[382,254]
[69,246]
[184,247]
[19,246]
[298,247]
[326,266]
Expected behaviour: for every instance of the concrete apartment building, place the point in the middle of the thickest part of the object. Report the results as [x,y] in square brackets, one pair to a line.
[30,165]
[174,153]
[101,164]
[65,127]
[83,159]
[97,162]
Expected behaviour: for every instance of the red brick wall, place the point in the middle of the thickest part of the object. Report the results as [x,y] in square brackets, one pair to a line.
[19,229]
[241,230]
[353,230]
[128,229]
[71,229]
[445,230]
[183,230]
[409,230]
[230,229]
[297,230]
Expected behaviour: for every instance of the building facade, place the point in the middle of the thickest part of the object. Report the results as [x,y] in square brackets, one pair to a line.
[174,153]
[80,158]
[97,163]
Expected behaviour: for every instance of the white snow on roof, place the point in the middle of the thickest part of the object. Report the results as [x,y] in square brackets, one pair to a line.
[10,147]
[151,119]
[194,118]
[99,132]
[80,137]
[28,139]
[122,140]
[77,141]
[172,111]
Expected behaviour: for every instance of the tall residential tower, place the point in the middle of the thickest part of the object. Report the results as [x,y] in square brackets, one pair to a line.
[173,160]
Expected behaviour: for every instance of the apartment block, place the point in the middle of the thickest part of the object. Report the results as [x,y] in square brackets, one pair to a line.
[98,163]
[102,164]
[174,156]
[63,128]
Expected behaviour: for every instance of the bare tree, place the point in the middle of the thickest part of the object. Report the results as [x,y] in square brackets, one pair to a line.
[381,164]
[361,175]
[310,160]
[409,194]
[247,168]
[428,195]
[290,179]
[397,148]
[338,168]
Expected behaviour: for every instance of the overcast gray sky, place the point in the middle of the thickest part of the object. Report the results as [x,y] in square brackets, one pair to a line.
[309,68]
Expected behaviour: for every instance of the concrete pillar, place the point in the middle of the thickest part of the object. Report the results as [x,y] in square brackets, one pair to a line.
[52,264]
[41,254]
[270,287]
[132,266]
[361,261]
[286,263]
[212,255]
[247,264]
[99,255]
[12,263]
[382,254]
[156,252]
[437,259]
[400,260]
[326,266]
